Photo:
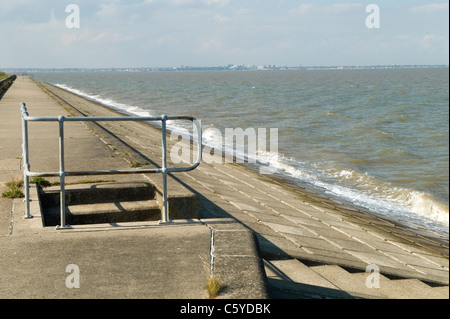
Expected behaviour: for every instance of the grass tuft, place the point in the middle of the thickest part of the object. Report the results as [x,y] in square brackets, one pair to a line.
[3,75]
[14,189]
[13,193]
[213,287]
[138,164]
[41,182]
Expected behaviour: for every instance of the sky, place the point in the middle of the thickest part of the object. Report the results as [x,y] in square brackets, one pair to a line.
[162,33]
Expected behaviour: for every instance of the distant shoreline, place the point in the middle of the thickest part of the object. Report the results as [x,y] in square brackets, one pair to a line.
[230,67]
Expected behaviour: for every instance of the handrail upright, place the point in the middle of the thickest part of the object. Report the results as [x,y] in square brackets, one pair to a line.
[164,213]
[25,159]
[62,175]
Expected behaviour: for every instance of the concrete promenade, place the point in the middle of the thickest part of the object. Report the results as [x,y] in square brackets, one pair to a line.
[132,260]
[312,247]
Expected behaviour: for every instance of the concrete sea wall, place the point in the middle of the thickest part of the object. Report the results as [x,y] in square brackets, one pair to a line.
[6,83]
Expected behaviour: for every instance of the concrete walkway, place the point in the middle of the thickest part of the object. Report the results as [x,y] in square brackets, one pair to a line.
[129,260]
[303,229]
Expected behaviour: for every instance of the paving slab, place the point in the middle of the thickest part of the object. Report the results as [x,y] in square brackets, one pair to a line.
[140,263]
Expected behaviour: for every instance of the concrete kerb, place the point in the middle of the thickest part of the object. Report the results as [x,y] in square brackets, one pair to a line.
[34,224]
[6,83]
[235,260]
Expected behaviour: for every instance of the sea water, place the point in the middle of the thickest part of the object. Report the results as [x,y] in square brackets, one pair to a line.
[377,138]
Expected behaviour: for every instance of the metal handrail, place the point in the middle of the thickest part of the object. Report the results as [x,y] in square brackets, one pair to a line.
[164,170]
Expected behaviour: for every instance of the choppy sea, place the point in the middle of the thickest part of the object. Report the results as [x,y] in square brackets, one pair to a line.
[377,138]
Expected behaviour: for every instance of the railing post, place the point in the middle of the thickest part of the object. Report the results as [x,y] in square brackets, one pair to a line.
[199,138]
[165,210]
[62,175]
[25,158]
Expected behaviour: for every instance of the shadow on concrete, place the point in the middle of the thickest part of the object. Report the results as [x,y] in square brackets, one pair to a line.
[208,209]
[285,288]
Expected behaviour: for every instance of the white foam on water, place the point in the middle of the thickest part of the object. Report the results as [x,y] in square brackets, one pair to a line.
[130,109]
[429,207]
[371,193]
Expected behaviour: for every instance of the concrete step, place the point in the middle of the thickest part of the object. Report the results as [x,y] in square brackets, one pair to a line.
[296,271]
[116,212]
[292,279]
[112,202]
[354,285]
[91,193]
[361,285]
[405,288]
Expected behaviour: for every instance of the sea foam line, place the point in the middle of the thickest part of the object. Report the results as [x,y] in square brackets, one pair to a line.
[373,194]
[130,109]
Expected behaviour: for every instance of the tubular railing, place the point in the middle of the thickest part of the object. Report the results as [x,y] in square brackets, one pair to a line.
[164,170]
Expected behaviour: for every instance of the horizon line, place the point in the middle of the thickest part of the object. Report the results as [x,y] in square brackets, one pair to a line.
[231,67]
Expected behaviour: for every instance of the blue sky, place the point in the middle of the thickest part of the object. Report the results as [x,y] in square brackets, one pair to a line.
[147,33]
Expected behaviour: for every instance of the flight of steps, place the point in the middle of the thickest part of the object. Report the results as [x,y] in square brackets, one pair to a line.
[101,203]
[293,279]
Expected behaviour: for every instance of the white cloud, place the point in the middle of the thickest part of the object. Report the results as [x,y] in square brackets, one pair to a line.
[302,9]
[309,8]
[216,2]
[211,45]
[430,8]
[343,7]
[428,40]
[108,10]
[113,37]
[221,19]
